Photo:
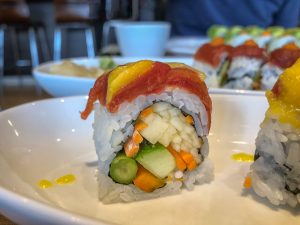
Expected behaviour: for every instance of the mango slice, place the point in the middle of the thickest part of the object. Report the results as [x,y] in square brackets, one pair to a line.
[123,75]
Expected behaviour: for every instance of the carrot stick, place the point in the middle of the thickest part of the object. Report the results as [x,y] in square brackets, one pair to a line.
[192,165]
[139,126]
[189,119]
[146,181]
[188,159]
[131,148]
[137,137]
[180,164]
[146,112]
[248,182]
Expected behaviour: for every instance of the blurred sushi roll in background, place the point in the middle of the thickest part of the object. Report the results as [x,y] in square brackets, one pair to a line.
[256,58]
[271,37]
[278,60]
[275,173]
[212,59]
[244,68]
[281,41]
[150,130]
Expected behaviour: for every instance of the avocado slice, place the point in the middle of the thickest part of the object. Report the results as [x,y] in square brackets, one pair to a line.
[223,73]
[123,169]
[217,31]
[156,159]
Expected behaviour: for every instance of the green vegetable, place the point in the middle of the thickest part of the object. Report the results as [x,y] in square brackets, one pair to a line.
[123,169]
[156,159]
[294,32]
[216,31]
[254,30]
[276,31]
[233,32]
[257,81]
[223,73]
[107,63]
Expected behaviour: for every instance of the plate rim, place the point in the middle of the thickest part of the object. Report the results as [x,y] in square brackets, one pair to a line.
[60,214]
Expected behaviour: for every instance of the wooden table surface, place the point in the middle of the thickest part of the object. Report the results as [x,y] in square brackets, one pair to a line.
[5,221]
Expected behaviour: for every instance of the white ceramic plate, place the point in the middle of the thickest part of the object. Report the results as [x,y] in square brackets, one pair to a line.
[59,85]
[47,139]
[185,45]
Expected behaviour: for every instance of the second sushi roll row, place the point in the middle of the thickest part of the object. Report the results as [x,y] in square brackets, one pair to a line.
[269,38]
[246,66]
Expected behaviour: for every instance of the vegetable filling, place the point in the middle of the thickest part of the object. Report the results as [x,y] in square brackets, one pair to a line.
[163,145]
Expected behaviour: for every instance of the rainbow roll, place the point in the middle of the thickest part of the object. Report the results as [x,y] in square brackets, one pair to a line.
[244,69]
[212,59]
[275,174]
[150,128]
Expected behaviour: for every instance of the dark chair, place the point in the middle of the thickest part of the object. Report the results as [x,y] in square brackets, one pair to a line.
[15,18]
[79,15]
[115,13]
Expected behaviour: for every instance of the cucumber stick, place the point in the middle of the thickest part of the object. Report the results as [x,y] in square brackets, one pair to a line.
[156,159]
[123,169]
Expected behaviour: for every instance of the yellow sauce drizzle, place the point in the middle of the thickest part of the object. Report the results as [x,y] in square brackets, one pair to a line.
[66,179]
[243,157]
[45,184]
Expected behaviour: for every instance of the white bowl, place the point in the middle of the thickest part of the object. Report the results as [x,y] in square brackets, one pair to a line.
[142,38]
[187,45]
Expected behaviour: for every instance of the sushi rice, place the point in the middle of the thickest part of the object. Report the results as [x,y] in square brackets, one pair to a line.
[269,75]
[111,130]
[212,78]
[276,170]
[242,71]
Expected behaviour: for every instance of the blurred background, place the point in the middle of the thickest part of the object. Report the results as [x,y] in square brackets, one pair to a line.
[33,32]
[72,17]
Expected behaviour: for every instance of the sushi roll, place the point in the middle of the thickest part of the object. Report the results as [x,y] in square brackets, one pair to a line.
[246,61]
[278,61]
[212,59]
[275,173]
[150,128]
